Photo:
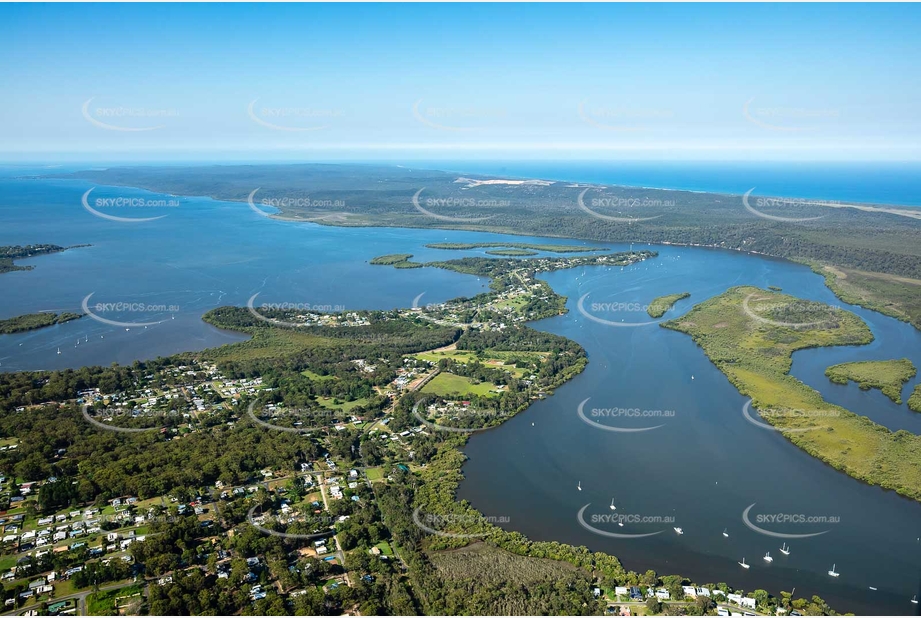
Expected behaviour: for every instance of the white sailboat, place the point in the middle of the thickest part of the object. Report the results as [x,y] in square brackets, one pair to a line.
[725,534]
[743,565]
[678,530]
[833,572]
[579,486]
[59,350]
[785,550]
[613,508]
[768,558]
[914,599]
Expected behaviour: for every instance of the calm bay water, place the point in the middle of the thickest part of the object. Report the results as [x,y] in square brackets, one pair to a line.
[703,467]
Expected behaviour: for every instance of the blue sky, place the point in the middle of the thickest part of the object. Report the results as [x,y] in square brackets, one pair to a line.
[332,82]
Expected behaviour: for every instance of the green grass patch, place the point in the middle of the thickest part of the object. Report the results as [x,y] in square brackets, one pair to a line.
[316,377]
[445,384]
[512,252]
[889,376]
[345,406]
[104,603]
[375,474]
[756,357]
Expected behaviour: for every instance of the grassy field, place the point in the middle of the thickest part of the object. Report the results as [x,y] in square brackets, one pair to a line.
[756,357]
[345,406]
[375,474]
[899,297]
[103,603]
[493,358]
[889,376]
[447,383]
[660,305]
[316,377]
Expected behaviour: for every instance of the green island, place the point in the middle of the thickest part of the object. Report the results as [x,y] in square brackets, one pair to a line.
[512,252]
[914,401]
[397,260]
[751,334]
[889,376]
[464,246]
[33,321]
[10,253]
[660,305]
[238,445]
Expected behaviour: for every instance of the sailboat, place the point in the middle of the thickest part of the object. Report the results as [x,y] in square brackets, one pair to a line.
[914,599]
[767,557]
[59,350]
[785,550]
[613,508]
[743,565]
[579,486]
[678,530]
[725,534]
[833,572]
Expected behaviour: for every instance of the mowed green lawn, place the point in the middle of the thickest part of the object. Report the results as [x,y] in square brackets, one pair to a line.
[447,383]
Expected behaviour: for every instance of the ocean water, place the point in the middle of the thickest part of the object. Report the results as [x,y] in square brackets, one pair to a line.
[703,467]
